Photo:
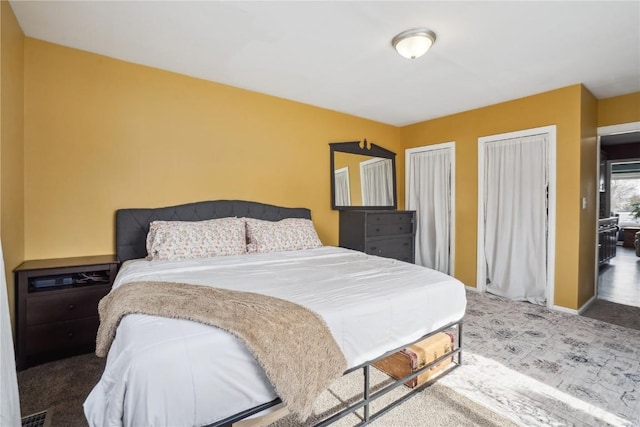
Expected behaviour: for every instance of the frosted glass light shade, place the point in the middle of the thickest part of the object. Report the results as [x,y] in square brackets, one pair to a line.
[413,43]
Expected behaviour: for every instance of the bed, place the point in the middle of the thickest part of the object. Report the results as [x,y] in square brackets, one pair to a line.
[167,371]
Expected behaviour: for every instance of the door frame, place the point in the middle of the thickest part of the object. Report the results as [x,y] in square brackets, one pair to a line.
[451,145]
[603,131]
[481,274]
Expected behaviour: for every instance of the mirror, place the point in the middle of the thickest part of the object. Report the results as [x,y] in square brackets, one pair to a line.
[363,176]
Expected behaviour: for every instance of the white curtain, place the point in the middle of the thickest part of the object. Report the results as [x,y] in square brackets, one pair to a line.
[516,181]
[429,194]
[341,185]
[9,399]
[377,182]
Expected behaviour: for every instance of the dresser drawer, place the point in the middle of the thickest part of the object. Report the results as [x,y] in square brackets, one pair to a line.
[59,306]
[400,248]
[396,217]
[387,224]
[374,230]
[61,335]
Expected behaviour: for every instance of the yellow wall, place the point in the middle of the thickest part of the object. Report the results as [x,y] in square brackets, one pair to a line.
[619,109]
[11,143]
[589,175]
[104,134]
[560,107]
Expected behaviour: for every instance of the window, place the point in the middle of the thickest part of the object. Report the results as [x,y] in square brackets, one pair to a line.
[625,190]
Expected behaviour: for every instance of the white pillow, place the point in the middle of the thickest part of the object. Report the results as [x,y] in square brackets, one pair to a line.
[176,240]
[289,234]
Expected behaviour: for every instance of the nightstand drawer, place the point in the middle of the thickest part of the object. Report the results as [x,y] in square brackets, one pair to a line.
[60,306]
[398,248]
[61,335]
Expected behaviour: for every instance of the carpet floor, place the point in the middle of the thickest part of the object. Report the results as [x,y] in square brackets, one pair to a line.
[522,363]
[63,385]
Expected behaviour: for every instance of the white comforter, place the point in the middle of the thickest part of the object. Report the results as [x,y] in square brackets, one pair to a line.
[169,372]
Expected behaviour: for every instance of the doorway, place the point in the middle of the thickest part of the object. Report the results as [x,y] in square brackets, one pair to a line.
[430,191]
[516,214]
[619,152]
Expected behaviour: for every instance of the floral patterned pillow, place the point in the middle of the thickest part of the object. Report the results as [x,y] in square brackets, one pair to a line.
[290,234]
[176,240]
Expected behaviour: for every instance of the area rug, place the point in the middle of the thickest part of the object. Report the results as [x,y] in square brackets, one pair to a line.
[527,401]
[542,367]
[437,405]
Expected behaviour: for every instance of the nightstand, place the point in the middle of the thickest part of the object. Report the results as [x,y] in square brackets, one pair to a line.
[56,306]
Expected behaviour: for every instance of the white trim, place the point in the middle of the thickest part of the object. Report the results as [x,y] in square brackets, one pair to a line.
[481,277]
[481,274]
[597,224]
[621,128]
[579,311]
[374,160]
[586,305]
[451,145]
[564,309]
[471,288]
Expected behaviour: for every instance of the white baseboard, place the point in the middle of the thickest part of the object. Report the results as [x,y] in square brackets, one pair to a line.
[555,307]
[578,311]
[586,305]
[564,309]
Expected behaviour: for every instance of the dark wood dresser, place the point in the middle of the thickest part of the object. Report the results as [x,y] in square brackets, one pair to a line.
[56,306]
[386,233]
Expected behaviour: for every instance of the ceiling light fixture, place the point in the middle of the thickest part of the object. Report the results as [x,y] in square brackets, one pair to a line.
[414,43]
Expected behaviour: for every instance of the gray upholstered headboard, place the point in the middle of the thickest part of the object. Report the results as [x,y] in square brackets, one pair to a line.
[132,225]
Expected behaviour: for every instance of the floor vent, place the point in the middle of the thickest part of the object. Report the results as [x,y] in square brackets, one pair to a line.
[39,419]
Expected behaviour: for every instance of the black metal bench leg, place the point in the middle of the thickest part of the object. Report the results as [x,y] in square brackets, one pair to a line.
[366,393]
[460,343]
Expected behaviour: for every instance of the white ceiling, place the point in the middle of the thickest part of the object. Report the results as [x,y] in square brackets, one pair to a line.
[338,54]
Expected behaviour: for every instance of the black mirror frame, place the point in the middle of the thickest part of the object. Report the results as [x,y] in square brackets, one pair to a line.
[366,149]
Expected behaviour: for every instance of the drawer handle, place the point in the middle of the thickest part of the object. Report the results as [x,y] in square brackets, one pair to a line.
[70,334]
[71,307]
[373,248]
[400,228]
[377,230]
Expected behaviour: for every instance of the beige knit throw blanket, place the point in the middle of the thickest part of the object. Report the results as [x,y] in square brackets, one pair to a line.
[292,344]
